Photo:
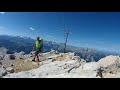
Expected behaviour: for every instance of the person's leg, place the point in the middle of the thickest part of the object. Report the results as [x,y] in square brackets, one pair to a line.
[39,51]
[34,57]
[37,57]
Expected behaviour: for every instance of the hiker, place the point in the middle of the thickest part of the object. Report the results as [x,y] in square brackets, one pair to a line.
[38,48]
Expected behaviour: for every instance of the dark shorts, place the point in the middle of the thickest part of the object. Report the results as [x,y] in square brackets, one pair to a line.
[38,51]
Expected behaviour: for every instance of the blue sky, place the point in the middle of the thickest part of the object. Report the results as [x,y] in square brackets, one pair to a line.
[99,30]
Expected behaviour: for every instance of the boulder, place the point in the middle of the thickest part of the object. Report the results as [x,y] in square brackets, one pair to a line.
[48,61]
[91,66]
[9,56]
[109,63]
[22,53]
[53,56]
[3,72]
[71,54]
[32,53]
[75,58]
[1,58]
[12,57]
[28,56]
[52,52]
[0,63]
[10,69]
[56,52]
[83,62]
[3,52]
[35,63]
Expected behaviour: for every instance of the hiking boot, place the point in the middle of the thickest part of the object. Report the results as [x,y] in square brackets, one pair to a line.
[33,60]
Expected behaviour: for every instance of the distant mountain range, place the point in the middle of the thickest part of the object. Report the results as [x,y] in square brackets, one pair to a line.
[22,43]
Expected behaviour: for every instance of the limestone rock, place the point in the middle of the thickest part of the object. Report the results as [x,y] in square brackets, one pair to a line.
[9,57]
[68,57]
[47,61]
[3,72]
[75,58]
[56,52]
[22,53]
[10,69]
[91,66]
[108,60]
[12,57]
[1,58]
[3,52]
[52,52]
[35,63]
[71,54]
[0,63]
[32,53]
[109,63]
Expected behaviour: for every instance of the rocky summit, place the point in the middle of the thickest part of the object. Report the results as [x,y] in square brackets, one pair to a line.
[59,65]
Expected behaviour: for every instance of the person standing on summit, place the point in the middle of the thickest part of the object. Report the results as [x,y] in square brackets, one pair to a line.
[38,48]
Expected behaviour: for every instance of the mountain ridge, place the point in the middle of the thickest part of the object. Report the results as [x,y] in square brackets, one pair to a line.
[18,44]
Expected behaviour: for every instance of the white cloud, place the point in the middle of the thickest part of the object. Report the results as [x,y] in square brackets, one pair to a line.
[31,28]
[2,12]
[2,27]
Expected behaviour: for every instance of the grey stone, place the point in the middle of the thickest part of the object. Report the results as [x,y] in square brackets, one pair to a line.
[75,58]
[56,52]
[19,55]
[3,52]
[52,52]
[9,57]
[1,58]
[109,64]
[3,72]
[22,53]
[12,57]
[0,63]
[10,69]
[32,53]
[35,63]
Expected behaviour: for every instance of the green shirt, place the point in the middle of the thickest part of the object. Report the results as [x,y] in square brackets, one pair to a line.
[38,43]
